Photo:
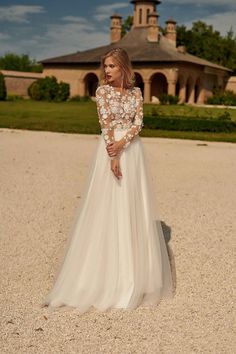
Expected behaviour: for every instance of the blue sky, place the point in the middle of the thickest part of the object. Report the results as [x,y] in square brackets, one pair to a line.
[43,29]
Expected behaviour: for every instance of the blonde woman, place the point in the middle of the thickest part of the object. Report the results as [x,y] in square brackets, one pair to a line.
[116,255]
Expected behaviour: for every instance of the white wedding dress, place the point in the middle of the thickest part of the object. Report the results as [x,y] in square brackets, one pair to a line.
[116,256]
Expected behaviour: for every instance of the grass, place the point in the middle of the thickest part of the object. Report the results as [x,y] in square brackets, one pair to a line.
[81,117]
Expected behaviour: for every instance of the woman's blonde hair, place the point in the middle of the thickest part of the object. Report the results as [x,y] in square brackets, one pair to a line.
[121,58]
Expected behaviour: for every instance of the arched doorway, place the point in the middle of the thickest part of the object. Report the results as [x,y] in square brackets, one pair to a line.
[139,82]
[159,85]
[91,84]
[197,90]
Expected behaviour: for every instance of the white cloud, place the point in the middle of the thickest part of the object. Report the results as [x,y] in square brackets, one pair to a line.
[4,36]
[220,22]
[19,13]
[229,3]
[76,19]
[105,11]
[61,39]
[71,34]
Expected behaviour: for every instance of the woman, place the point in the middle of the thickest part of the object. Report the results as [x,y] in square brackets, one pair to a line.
[116,255]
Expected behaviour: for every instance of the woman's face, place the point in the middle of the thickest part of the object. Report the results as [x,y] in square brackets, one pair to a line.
[112,72]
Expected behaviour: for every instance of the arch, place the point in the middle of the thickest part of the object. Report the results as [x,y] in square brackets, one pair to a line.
[91,84]
[139,81]
[159,85]
[147,15]
[197,90]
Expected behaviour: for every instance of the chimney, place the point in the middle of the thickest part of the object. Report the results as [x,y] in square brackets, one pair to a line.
[115,28]
[171,31]
[153,29]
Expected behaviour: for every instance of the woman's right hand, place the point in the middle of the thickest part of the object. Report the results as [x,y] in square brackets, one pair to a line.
[115,167]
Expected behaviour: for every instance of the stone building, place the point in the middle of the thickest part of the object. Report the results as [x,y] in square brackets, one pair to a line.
[159,66]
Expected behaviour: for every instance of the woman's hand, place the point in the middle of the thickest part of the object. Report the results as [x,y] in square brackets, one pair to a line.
[115,148]
[115,167]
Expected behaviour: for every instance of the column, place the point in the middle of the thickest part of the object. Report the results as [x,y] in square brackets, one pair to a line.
[172,87]
[191,92]
[147,91]
[182,92]
[201,96]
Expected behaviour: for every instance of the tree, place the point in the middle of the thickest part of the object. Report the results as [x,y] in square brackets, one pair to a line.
[3,90]
[126,26]
[11,61]
[203,41]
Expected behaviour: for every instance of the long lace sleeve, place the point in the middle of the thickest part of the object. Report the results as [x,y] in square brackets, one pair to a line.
[104,115]
[137,123]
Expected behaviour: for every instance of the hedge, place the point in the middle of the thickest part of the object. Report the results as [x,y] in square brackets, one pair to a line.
[191,124]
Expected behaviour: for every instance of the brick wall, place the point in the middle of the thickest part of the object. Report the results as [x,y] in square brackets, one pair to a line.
[17,82]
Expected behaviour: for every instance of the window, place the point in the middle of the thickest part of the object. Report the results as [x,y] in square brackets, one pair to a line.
[140,16]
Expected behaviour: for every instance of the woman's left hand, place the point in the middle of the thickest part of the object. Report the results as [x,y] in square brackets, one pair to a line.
[115,148]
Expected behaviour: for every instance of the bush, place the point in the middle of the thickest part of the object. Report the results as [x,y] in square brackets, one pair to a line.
[13,98]
[168,99]
[226,98]
[48,89]
[191,124]
[3,90]
[78,98]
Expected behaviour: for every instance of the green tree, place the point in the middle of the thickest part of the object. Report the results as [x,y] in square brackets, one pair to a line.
[205,42]
[3,90]
[126,25]
[11,61]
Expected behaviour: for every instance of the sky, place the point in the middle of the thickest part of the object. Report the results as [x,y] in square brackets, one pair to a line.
[48,28]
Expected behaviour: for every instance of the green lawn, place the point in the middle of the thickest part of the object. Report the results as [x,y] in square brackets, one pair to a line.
[81,117]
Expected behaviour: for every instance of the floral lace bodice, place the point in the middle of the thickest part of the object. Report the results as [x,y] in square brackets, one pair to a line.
[119,111]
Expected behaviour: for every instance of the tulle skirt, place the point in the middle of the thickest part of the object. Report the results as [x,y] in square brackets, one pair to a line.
[116,256]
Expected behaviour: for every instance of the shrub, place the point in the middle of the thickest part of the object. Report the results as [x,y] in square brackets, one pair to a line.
[168,99]
[191,124]
[13,98]
[63,92]
[78,98]
[48,89]
[227,98]
[3,90]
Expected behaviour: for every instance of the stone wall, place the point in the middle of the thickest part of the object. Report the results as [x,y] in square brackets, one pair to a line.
[17,82]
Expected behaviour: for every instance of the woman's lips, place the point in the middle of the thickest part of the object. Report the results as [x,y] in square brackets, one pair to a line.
[108,76]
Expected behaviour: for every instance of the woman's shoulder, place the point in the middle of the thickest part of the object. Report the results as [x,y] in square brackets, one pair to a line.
[137,91]
[102,89]
[136,88]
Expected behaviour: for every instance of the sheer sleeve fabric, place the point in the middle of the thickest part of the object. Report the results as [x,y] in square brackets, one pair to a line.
[104,115]
[137,123]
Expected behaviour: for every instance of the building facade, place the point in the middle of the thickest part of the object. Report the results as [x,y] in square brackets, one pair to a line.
[159,65]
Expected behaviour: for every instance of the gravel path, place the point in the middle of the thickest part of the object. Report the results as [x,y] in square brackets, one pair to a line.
[41,177]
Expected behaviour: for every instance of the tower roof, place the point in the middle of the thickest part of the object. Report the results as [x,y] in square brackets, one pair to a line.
[171,20]
[115,15]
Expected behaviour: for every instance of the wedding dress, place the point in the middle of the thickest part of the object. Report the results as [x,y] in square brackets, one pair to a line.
[116,256]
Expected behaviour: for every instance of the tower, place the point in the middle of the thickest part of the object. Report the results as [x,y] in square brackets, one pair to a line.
[115,28]
[142,10]
[171,31]
[153,29]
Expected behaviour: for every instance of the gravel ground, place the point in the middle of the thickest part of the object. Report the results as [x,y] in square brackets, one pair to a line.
[41,177]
